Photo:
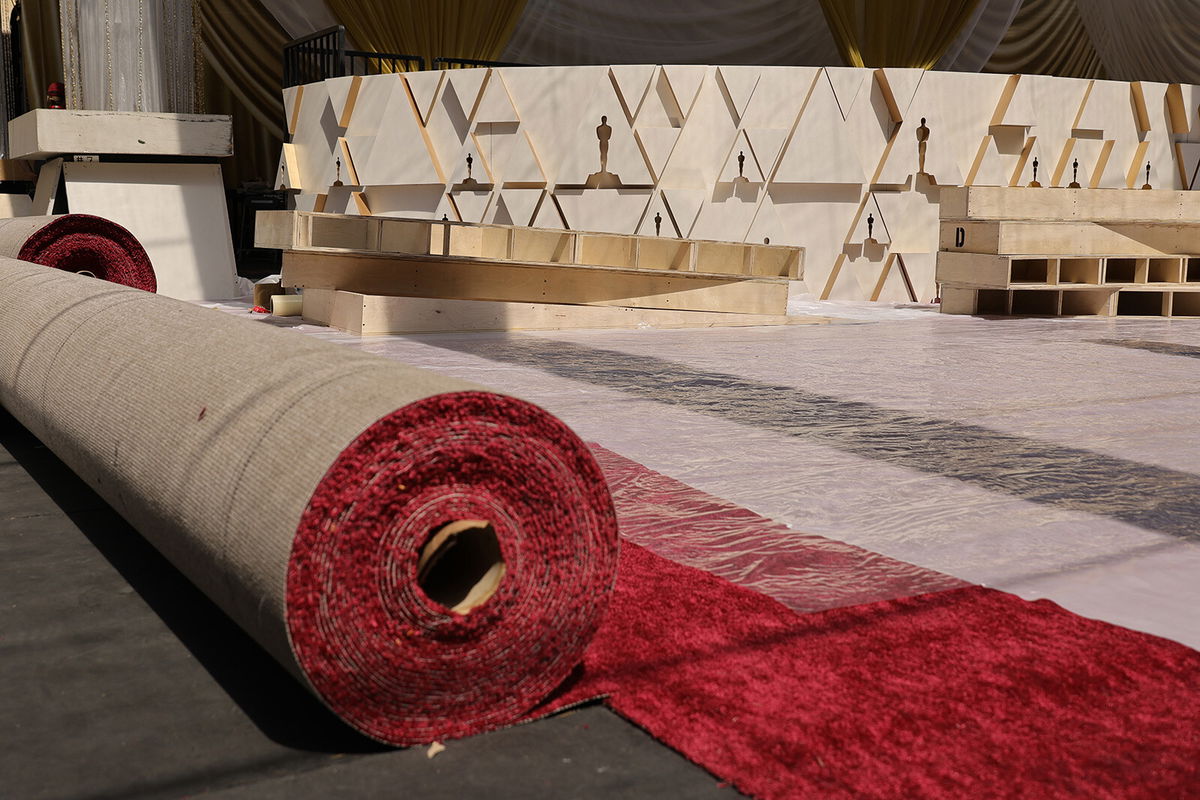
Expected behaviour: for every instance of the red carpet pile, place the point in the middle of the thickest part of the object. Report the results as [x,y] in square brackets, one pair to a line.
[967,692]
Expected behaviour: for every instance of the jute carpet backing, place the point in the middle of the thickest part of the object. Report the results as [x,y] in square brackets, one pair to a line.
[79,243]
[430,558]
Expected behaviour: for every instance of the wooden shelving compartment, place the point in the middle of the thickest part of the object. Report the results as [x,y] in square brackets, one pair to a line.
[1136,303]
[1087,303]
[1035,302]
[1185,304]
[1122,270]
[1031,270]
[1079,270]
[1164,270]
[1192,270]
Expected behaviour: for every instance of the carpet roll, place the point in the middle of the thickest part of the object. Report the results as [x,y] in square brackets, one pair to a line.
[430,558]
[79,243]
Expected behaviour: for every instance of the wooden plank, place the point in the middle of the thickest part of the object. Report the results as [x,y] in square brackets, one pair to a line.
[972,269]
[44,133]
[1095,205]
[465,280]
[317,305]
[1005,237]
[957,300]
[276,229]
[720,257]
[376,315]
[656,253]
[603,250]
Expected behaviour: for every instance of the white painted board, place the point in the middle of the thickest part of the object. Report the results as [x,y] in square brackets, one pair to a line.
[177,212]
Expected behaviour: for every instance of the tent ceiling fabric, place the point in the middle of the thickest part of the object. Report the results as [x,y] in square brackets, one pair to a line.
[782,32]
[1157,42]
[301,17]
[896,33]
[980,36]
[477,29]
[1048,37]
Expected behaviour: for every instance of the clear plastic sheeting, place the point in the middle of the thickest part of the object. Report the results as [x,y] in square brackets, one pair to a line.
[1050,457]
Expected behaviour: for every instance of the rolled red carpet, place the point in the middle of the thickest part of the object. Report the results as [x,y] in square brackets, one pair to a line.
[370,595]
[79,243]
[431,559]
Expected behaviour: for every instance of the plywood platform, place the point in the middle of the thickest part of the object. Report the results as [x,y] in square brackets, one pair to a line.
[480,279]
[373,315]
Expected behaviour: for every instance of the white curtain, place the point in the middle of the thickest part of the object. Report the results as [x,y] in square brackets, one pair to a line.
[786,32]
[129,55]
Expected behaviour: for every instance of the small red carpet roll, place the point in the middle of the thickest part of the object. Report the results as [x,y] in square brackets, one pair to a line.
[80,243]
[411,637]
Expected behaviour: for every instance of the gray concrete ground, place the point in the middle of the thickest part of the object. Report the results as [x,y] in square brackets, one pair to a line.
[118,679]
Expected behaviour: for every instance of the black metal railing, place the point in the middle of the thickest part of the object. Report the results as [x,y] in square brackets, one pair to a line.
[324,55]
[455,63]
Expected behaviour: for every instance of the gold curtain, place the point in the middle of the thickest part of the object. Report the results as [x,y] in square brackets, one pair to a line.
[1047,37]
[431,28]
[243,54]
[895,33]
[41,50]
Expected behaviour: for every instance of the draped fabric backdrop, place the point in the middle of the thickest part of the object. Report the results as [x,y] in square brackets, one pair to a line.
[41,49]
[431,28]
[1158,41]
[896,33]
[1048,37]
[979,38]
[782,32]
[242,46]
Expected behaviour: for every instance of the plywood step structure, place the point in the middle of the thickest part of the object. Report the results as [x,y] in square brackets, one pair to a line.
[300,230]
[386,257]
[1069,252]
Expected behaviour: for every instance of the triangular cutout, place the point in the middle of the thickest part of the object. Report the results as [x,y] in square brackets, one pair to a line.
[1015,104]
[890,287]
[467,84]
[767,227]
[870,225]
[819,150]
[424,87]
[341,96]
[685,84]
[847,82]
[766,143]
[741,163]
[549,215]
[494,142]
[495,105]
[657,220]
[631,82]
[899,84]
[684,207]
[522,166]
[738,84]
[471,205]
[656,144]
[516,206]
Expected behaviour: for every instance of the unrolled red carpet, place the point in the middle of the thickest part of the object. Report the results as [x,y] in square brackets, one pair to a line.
[968,692]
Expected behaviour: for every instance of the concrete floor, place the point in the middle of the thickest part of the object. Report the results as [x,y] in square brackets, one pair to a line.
[118,679]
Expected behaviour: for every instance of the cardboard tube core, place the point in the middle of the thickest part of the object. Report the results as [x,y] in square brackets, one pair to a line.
[461,565]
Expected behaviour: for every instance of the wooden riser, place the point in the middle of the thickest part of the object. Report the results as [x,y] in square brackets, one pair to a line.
[574,285]
[1099,302]
[1006,237]
[377,315]
[1093,205]
[1003,272]
[295,230]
